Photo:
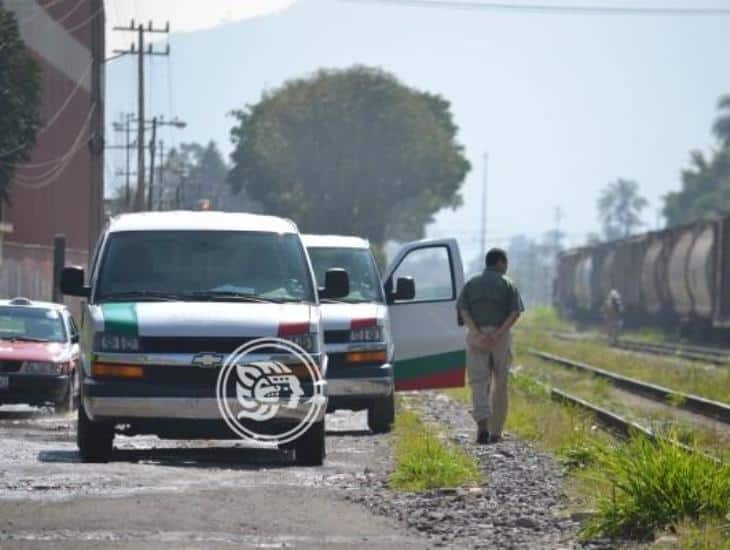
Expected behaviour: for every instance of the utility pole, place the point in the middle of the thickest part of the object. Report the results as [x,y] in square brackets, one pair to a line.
[125,126]
[153,144]
[140,51]
[96,145]
[484,210]
[176,123]
[161,172]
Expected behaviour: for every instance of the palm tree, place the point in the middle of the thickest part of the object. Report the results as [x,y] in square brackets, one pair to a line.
[721,128]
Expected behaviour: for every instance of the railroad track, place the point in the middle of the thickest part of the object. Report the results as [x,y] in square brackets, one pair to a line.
[693,403]
[703,354]
[714,356]
[616,423]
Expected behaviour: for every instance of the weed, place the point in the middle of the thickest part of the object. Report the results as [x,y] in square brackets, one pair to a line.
[423,460]
[656,485]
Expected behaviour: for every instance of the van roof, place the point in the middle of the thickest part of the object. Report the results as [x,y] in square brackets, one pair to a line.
[334,241]
[191,220]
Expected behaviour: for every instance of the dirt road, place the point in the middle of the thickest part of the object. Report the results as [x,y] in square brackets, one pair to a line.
[163,494]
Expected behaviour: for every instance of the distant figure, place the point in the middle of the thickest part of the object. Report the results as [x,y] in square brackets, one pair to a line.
[613,310]
[489,304]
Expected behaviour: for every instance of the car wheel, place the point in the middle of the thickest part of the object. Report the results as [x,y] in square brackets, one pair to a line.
[309,449]
[94,439]
[70,398]
[381,414]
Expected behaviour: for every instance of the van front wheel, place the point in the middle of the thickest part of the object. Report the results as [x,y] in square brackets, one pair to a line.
[309,448]
[381,414]
[94,439]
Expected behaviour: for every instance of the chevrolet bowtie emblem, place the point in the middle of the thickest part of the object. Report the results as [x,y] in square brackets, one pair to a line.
[208,360]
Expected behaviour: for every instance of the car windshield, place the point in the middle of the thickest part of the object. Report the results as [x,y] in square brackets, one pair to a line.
[360,267]
[204,265]
[32,324]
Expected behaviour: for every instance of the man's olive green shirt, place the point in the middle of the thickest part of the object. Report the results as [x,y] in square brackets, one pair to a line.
[490,298]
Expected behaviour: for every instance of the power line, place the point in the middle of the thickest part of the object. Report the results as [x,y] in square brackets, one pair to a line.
[55,115]
[585,9]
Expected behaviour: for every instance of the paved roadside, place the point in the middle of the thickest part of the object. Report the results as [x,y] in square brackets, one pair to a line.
[161,494]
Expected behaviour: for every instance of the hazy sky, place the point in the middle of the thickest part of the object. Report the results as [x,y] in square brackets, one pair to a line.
[562,103]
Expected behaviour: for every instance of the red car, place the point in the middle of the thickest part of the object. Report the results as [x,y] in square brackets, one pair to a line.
[39,354]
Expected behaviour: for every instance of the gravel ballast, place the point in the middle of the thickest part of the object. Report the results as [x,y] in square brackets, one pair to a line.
[520,505]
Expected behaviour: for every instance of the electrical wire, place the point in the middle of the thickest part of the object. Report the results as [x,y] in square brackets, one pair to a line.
[52,175]
[55,115]
[87,20]
[584,9]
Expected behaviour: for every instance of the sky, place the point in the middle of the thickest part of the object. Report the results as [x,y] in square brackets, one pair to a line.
[562,104]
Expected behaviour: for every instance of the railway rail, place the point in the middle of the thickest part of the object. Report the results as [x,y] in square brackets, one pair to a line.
[616,423]
[702,354]
[693,403]
[715,356]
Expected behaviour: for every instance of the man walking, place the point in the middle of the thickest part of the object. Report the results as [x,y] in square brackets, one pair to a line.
[489,304]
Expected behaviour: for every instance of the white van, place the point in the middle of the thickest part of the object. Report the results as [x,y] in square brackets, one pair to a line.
[399,334]
[170,296]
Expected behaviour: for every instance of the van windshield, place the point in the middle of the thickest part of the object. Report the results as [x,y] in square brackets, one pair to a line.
[360,266]
[204,265]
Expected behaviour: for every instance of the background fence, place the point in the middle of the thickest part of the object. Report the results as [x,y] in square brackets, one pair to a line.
[27,270]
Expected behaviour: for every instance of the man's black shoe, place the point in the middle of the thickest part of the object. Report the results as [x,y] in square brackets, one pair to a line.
[483,438]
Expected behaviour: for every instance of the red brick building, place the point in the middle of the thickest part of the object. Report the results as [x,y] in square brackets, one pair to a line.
[60,188]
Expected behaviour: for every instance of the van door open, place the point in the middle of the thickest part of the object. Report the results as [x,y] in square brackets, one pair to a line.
[422,285]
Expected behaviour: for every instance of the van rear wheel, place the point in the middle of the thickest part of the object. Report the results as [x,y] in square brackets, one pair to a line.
[94,439]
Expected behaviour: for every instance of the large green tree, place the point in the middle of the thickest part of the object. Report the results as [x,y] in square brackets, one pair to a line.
[619,208]
[19,100]
[350,151]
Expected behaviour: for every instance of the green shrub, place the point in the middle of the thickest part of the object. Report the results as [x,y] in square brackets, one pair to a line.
[424,461]
[656,485]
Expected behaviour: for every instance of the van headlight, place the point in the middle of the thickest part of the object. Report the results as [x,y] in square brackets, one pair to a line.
[41,367]
[367,334]
[116,343]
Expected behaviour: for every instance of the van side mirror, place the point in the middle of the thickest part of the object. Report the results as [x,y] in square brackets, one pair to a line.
[405,289]
[75,338]
[72,282]
[336,284]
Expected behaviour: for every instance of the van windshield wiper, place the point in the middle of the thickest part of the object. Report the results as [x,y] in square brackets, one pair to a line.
[228,296]
[141,295]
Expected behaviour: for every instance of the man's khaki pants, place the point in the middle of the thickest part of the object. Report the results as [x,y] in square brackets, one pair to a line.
[488,373]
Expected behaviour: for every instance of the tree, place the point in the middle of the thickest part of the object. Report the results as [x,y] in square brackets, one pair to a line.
[721,128]
[19,100]
[350,151]
[194,173]
[619,208]
[705,191]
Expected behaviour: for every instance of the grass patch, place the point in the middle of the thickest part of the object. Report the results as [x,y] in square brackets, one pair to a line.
[683,376]
[655,486]
[544,318]
[424,460]
[708,535]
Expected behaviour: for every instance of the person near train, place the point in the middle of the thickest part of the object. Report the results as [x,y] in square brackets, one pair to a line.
[613,310]
[489,305]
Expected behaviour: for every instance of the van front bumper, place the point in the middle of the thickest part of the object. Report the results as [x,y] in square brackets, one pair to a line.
[181,412]
[355,387]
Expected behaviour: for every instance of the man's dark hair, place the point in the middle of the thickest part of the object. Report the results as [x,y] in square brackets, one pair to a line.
[494,256]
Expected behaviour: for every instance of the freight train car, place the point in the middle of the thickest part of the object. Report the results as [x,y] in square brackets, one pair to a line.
[677,278]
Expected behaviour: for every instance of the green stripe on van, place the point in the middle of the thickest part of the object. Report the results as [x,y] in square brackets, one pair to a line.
[120,318]
[406,369]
